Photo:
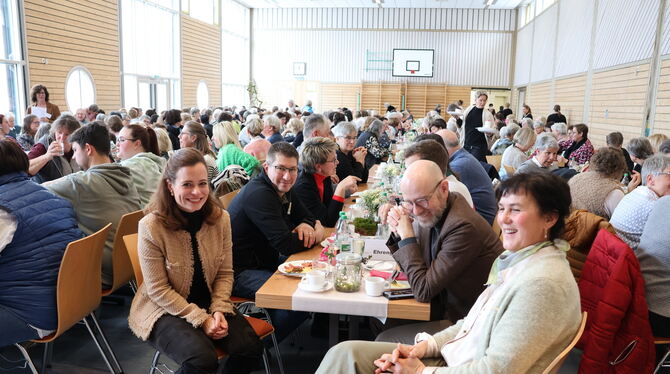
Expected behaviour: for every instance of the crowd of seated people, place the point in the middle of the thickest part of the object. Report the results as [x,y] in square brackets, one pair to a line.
[94,167]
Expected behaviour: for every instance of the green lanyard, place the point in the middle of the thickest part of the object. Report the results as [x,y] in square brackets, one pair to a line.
[561,245]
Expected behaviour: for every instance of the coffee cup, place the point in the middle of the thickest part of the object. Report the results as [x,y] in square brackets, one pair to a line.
[315,279]
[375,286]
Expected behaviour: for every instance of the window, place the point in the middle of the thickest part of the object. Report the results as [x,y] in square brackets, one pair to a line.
[12,62]
[203,10]
[532,9]
[202,95]
[79,89]
[150,44]
[235,53]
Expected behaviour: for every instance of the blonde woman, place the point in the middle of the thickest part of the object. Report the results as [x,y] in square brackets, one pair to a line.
[656,140]
[164,143]
[230,151]
[194,135]
[293,128]
[516,155]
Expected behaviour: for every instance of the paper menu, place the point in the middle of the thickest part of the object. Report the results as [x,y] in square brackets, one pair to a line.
[40,112]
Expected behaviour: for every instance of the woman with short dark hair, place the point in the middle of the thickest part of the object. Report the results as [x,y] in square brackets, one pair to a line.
[531,298]
[581,149]
[35,228]
[39,96]
[183,307]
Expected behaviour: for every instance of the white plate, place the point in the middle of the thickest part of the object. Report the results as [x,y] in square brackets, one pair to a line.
[285,267]
[304,287]
[379,265]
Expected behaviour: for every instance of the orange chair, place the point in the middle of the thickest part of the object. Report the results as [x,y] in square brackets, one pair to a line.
[78,295]
[122,270]
[228,198]
[262,328]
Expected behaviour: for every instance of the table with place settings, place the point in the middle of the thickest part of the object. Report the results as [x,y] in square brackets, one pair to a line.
[282,292]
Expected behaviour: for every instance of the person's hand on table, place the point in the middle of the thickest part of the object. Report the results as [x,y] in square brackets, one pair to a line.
[348,184]
[383,211]
[319,231]
[400,222]
[307,234]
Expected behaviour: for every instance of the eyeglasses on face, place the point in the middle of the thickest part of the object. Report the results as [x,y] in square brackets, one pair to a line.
[348,138]
[421,202]
[283,170]
[121,139]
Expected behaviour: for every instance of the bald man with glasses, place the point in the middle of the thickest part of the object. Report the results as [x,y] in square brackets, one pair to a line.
[442,244]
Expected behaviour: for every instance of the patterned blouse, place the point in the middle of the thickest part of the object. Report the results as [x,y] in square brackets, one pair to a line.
[582,154]
[374,148]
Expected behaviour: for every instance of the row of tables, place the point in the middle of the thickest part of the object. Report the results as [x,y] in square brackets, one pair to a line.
[277,292]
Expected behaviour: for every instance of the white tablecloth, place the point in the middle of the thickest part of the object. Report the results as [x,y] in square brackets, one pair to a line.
[351,303]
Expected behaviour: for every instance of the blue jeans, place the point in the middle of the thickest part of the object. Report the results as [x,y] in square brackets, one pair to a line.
[247,282]
[14,329]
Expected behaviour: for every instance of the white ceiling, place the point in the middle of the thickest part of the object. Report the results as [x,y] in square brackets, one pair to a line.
[479,4]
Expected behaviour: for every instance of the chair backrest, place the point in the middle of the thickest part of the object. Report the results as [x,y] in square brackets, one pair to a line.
[122,270]
[79,277]
[131,248]
[494,160]
[560,359]
[509,170]
[228,198]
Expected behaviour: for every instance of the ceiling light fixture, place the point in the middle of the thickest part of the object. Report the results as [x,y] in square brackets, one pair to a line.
[488,3]
[378,2]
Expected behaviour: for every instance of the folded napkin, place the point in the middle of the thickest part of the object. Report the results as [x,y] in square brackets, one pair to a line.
[384,274]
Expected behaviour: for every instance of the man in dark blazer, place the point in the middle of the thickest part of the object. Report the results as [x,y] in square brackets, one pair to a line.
[442,244]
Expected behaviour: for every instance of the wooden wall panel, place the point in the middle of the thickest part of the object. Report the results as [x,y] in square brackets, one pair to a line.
[374,95]
[458,93]
[538,98]
[69,33]
[617,102]
[197,65]
[569,94]
[335,95]
[662,120]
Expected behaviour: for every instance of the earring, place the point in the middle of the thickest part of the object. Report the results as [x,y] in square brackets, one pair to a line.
[546,235]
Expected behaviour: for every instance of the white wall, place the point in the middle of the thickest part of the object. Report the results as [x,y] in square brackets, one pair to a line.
[472,47]
[624,33]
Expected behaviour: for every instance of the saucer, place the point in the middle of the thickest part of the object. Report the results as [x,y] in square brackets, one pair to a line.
[379,265]
[304,287]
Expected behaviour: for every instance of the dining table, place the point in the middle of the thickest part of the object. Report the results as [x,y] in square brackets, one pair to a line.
[281,291]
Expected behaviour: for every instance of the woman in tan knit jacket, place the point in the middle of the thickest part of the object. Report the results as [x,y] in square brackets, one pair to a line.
[183,307]
[598,190]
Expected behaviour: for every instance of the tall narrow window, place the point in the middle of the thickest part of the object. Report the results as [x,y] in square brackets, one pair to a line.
[203,10]
[151,60]
[202,95]
[235,53]
[12,60]
[79,89]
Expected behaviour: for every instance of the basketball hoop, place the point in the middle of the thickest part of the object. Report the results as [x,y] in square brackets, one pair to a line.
[411,71]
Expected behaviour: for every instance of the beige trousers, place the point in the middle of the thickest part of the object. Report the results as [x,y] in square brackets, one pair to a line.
[357,356]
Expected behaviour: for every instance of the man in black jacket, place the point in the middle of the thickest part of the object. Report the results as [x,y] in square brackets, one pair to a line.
[268,224]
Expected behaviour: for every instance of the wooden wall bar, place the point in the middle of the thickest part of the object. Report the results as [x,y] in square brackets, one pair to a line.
[63,34]
[201,60]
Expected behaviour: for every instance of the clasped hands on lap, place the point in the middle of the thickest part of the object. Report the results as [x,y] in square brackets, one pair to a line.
[216,326]
[405,359]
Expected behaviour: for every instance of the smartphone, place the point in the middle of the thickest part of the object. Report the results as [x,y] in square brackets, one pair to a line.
[398,294]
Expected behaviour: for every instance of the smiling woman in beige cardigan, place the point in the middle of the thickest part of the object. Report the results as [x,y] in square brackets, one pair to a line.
[183,307]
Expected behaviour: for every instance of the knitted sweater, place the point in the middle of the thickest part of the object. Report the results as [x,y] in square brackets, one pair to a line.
[654,256]
[631,214]
[146,169]
[167,265]
[589,191]
[231,154]
[518,325]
